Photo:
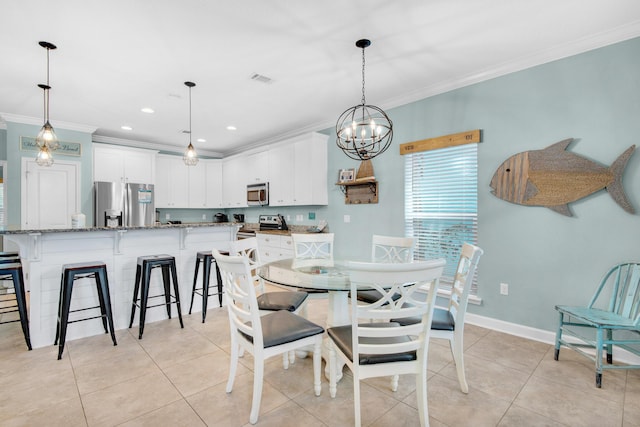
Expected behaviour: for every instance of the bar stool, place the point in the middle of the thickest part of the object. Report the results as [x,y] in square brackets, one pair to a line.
[11,269]
[143,277]
[96,270]
[207,259]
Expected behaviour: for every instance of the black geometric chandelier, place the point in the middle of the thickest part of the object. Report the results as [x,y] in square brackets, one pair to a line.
[46,139]
[364,131]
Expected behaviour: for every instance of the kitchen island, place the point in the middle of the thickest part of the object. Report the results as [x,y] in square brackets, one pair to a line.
[43,253]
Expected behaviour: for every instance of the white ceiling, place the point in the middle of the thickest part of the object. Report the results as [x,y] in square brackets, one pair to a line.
[115,57]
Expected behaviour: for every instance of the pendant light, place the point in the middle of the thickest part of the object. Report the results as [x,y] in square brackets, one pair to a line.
[46,139]
[190,157]
[364,131]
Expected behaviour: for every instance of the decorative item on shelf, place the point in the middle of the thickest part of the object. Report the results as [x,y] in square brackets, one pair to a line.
[554,177]
[190,157]
[364,131]
[346,175]
[46,139]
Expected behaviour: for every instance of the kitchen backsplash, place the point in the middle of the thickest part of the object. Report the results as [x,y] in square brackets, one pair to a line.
[298,215]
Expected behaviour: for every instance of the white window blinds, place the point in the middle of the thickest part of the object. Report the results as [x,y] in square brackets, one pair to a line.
[441,203]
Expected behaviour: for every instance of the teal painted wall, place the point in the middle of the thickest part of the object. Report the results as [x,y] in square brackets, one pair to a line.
[546,258]
[3,144]
[14,166]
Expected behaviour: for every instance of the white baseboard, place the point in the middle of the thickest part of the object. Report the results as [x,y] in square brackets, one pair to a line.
[547,337]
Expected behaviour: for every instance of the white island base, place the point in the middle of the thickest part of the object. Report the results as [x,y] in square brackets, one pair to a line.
[44,252]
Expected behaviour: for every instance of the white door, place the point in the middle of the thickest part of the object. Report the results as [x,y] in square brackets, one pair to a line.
[49,194]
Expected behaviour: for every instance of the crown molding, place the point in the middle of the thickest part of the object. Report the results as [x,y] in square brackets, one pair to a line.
[566,50]
[150,145]
[27,120]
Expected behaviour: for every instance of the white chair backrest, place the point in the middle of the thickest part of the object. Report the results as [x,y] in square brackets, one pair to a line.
[404,279]
[313,246]
[469,258]
[248,248]
[240,295]
[392,249]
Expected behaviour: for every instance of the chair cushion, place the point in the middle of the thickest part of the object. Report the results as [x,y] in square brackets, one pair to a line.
[285,300]
[372,296]
[341,336]
[442,320]
[281,327]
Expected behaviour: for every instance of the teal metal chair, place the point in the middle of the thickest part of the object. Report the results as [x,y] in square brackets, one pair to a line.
[613,309]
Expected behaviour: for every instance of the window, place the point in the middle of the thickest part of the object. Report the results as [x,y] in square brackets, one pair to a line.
[441,203]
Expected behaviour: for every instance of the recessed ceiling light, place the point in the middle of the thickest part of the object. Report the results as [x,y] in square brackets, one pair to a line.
[147,110]
[231,128]
[201,140]
[126,127]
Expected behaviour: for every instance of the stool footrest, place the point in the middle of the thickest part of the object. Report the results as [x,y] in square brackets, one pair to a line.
[88,318]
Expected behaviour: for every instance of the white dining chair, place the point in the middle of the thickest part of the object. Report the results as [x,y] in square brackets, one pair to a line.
[392,249]
[279,332]
[384,348]
[312,246]
[313,250]
[272,300]
[448,322]
[387,249]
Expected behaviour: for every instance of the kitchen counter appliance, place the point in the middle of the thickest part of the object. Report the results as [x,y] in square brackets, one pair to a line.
[272,222]
[220,217]
[117,204]
[258,194]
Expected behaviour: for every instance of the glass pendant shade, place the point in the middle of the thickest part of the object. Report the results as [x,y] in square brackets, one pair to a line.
[44,157]
[364,131]
[190,157]
[47,136]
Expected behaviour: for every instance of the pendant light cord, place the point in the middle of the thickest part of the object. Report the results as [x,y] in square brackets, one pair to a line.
[363,101]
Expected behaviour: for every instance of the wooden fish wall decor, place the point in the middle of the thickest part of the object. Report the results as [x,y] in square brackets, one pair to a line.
[554,177]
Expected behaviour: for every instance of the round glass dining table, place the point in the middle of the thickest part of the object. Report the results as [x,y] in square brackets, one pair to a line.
[314,275]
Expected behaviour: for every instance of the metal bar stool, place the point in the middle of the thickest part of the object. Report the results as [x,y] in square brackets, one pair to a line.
[84,270]
[143,280]
[11,269]
[207,259]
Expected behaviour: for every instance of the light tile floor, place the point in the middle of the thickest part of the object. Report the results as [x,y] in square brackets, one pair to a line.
[177,377]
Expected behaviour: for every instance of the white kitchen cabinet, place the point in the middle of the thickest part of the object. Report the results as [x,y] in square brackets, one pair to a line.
[281,175]
[234,190]
[115,163]
[197,185]
[182,186]
[172,185]
[273,247]
[310,170]
[298,171]
[214,183]
[256,167]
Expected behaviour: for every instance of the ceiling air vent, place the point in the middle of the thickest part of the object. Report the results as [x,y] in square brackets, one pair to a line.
[260,78]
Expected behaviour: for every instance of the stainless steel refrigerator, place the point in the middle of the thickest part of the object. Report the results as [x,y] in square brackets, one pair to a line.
[117,204]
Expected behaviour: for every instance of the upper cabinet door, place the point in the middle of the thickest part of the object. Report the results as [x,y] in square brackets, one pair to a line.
[257,167]
[281,179]
[120,164]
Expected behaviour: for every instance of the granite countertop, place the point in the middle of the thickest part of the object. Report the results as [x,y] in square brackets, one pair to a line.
[10,230]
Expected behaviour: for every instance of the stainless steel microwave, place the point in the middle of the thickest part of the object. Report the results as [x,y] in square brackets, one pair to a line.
[258,194]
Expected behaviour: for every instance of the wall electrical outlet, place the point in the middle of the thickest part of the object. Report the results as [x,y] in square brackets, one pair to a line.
[347,218]
[204,216]
[167,216]
[504,289]
[299,217]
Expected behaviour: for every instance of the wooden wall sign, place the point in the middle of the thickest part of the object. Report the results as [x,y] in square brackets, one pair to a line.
[454,139]
[554,177]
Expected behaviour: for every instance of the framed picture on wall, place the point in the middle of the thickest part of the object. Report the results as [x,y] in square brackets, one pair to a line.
[346,175]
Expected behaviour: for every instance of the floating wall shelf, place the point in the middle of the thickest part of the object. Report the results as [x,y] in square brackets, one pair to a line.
[360,191]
